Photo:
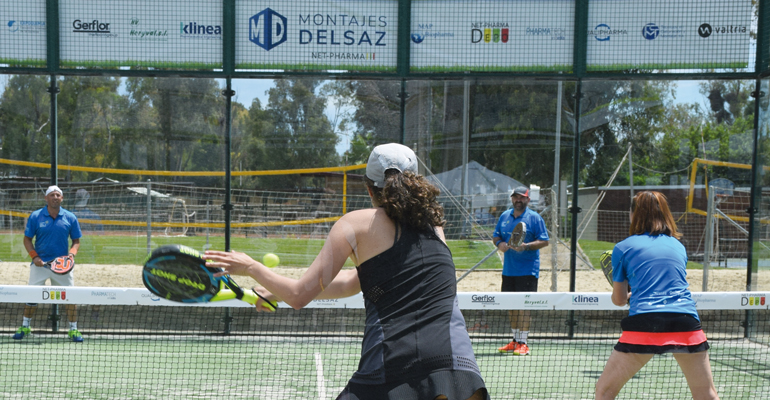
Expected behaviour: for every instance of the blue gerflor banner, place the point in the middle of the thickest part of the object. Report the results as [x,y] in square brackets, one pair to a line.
[668,34]
[317,35]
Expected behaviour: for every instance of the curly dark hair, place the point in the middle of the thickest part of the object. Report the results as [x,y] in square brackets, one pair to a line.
[409,199]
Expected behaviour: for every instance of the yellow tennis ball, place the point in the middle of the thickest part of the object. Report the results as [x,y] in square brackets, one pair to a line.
[270,260]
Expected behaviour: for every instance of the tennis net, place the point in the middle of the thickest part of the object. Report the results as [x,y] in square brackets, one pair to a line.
[138,346]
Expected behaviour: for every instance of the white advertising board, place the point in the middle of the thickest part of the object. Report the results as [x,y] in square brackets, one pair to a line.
[108,33]
[23,33]
[316,35]
[668,34]
[467,35]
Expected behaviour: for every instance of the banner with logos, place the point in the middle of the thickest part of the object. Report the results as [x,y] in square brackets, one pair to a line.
[466,300]
[668,34]
[23,34]
[470,35]
[107,33]
[316,35]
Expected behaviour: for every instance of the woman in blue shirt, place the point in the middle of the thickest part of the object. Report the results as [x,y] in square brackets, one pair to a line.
[662,317]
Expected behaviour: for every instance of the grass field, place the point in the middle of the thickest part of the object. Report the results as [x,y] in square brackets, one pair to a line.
[298,252]
[277,368]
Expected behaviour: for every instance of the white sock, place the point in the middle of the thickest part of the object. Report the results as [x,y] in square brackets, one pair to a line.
[26,321]
[73,325]
[515,334]
[523,337]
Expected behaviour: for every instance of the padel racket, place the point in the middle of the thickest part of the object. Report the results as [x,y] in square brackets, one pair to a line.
[61,265]
[605,261]
[517,235]
[179,273]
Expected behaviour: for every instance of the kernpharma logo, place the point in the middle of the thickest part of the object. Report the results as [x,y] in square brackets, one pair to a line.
[267,29]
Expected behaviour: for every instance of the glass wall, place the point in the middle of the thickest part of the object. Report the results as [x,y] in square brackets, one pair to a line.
[695,149]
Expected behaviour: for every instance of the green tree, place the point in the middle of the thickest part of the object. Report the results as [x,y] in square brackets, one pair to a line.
[25,123]
[292,132]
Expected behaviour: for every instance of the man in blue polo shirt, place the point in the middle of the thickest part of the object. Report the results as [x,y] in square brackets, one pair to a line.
[521,264]
[51,226]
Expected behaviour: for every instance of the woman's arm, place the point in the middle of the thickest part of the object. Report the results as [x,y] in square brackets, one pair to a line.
[318,278]
[620,293]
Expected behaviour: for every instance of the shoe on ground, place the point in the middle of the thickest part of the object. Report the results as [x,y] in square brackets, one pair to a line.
[521,350]
[478,327]
[509,348]
[75,336]
[22,332]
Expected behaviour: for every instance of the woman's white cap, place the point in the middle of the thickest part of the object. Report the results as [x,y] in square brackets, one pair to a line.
[389,156]
[53,188]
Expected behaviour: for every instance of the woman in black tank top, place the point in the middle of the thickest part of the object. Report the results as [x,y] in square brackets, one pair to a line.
[415,344]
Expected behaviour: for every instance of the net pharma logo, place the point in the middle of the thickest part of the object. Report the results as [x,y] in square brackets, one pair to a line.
[752,300]
[54,294]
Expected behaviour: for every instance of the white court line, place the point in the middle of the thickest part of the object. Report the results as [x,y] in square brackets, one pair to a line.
[319,374]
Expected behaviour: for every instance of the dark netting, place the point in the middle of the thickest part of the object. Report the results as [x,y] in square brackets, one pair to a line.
[145,352]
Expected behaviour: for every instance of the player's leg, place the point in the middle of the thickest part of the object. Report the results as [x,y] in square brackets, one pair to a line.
[697,369]
[619,369]
[37,276]
[68,279]
[508,285]
[524,284]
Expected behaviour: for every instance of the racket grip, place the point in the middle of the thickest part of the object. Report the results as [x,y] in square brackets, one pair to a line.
[252,297]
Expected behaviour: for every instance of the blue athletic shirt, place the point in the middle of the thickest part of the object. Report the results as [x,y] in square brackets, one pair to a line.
[654,266]
[52,235]
[521,263]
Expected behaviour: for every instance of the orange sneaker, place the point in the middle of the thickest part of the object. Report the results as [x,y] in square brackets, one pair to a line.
[521,350]
[509,348]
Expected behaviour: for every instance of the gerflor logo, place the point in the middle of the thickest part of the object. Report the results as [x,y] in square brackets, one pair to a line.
[482,298]
[267,29]
[54,295]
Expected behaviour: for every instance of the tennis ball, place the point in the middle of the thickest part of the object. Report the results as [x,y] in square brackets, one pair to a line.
[270,260]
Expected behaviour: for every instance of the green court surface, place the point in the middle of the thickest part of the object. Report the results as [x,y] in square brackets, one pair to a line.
[317,367]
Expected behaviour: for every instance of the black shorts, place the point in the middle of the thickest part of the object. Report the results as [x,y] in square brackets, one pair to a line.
[658,333]
[526,283]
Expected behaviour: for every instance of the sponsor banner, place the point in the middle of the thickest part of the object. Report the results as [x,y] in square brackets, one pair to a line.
[467,300]
[316,35]
[469,35]
[109,33]
[668,34]
[23,33]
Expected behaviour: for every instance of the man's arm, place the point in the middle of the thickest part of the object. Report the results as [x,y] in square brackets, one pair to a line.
[75,247]
[31,251]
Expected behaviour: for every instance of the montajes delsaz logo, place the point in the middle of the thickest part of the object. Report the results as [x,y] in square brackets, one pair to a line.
[269,29]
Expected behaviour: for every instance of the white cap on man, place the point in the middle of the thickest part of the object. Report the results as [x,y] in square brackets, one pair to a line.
[53,188]
[389,156]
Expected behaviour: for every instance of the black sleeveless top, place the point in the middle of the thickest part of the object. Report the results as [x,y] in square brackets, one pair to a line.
[413,323]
